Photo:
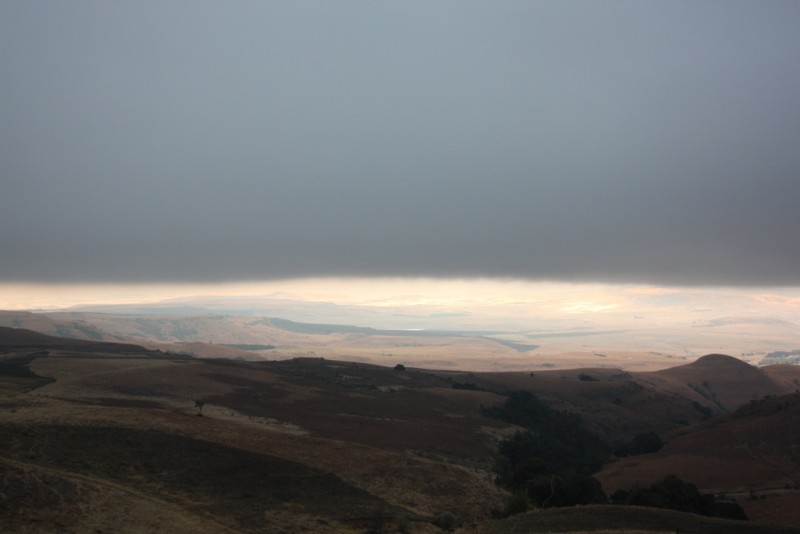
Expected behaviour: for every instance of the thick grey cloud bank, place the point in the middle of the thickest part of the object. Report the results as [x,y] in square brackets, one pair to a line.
[205,141]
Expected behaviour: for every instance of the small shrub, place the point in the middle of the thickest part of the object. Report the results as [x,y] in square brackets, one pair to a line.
[643,443]
[516,504]
[566,490]
[447,521]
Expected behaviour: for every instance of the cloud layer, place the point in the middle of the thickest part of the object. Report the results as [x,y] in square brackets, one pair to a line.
[627,142]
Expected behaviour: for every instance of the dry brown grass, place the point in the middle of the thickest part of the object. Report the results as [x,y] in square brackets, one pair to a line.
[42,499]
[418,448]
[405,438]
[752,453]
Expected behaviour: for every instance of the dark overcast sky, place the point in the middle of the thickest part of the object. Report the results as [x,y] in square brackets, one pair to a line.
[206,141]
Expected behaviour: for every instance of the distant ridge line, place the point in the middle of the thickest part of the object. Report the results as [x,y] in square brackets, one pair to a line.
[22,338]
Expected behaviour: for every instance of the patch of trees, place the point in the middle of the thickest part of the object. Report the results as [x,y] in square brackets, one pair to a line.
[535,482]
[767,406]
[555,436]
[642,443]
[467,385]
[703,391]
[705,411]
[447,521]
[675,494]
[472,386]
[548,464]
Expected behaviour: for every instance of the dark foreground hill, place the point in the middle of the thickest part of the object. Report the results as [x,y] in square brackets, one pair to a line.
[621,519]
[104,438]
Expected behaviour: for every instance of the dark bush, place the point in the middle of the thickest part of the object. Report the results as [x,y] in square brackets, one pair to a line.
[554,436]
[675,494]
[705,411]
[467,385]
[447,521]
[565,490]
[643,443]
[548,464]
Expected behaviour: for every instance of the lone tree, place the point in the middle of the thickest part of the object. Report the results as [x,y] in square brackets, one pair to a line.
[199,403]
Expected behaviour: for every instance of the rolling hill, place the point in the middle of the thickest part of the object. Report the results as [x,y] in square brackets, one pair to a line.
[751,454]
[96,435]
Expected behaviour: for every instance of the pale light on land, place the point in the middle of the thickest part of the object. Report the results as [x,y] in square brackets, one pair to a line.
[380,292]
[569,324]
[545,297]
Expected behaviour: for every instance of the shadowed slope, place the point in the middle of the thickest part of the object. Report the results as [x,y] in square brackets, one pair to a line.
[618,404]
[243,489]
[21,338]
[754,451]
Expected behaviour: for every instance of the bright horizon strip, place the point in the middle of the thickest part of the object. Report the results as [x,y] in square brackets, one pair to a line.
[554,297]
[362,291]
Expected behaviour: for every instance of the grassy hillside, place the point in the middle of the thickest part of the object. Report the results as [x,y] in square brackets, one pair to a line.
[750,454]
[404,444]
[120,438]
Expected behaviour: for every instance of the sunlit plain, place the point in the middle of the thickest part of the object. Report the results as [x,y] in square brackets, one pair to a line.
[571,324]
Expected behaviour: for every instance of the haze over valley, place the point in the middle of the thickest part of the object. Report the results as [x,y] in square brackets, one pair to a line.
[467,324]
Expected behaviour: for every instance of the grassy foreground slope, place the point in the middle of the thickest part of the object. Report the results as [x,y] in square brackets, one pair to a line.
[305,445]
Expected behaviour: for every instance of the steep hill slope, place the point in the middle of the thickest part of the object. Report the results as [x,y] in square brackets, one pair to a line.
[788,376]
[751,452]
[618,405]
[717,380]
